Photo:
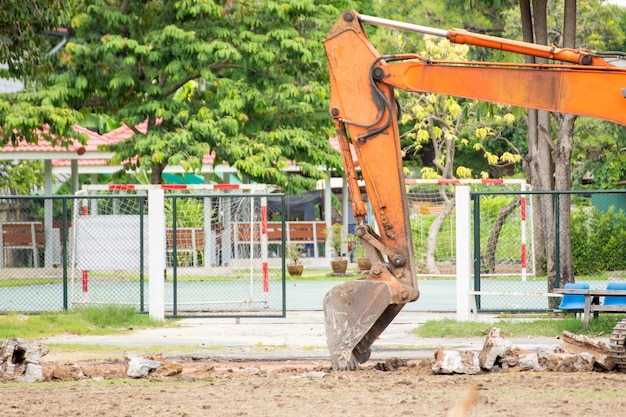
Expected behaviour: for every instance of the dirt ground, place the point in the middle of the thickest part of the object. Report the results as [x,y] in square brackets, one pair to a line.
[188,387]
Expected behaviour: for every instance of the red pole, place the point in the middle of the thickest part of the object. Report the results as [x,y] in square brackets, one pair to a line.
[85,280]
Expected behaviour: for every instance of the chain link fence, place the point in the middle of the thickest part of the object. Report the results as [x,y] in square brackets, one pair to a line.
[505,226]
[33,248]
[508,270]
[63,252]
[598,233]
[60,253]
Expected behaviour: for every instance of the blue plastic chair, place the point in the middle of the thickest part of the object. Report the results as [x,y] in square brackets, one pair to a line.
[615,301]
[573,302]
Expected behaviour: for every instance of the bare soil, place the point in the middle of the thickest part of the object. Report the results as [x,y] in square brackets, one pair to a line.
[187,387]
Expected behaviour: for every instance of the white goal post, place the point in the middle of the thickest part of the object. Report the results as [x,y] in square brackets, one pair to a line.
[505,234]
[106,235]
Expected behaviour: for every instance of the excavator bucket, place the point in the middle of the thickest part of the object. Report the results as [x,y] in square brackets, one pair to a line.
[356,313]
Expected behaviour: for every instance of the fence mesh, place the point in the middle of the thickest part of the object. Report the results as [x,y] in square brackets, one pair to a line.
[31,253]
[219,256]
[63,252]
[598,229]
[95,252]
[506,227]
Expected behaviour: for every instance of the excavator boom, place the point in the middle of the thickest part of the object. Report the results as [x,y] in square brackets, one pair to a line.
[363,108]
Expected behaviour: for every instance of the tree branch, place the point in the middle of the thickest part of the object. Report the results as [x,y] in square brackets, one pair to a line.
[135,130]
[95,102]
[181,83]
[124,6]
[224,64]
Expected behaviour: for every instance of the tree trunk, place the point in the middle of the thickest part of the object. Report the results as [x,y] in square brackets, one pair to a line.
[494,235]
[539,251]
[533,148]
[569,24]
[563,161]
[430,266]
[156,173]
[539,158]
[542,168]
[563,157]
[540,148]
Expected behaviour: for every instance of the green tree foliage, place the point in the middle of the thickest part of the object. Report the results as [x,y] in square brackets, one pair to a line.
[599,157]
[476,16]
[598,240]
[20,177]
[597,144]
[600,26]
[243,80]
[467,138]
[28,31]
[25,30]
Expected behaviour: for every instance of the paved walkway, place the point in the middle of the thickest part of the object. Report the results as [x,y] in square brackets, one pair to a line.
[300,335]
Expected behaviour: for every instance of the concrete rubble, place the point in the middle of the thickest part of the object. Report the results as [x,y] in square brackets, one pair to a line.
[456,362]
[580,343]
[142,366]
[391,364]
[139,367]
[20,360]
[577,353]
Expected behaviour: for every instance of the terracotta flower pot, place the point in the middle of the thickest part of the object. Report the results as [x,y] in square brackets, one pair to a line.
[339,267]
[363,264]
[295,270]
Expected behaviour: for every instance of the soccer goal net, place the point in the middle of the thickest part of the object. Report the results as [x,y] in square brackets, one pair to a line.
[216,248]
[505,226]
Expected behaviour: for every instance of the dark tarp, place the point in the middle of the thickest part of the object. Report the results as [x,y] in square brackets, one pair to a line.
[302,207]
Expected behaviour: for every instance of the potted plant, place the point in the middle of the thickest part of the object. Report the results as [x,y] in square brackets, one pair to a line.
[363,263]
[337,238]
[293,254]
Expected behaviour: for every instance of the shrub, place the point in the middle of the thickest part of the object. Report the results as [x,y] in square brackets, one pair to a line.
[598,241]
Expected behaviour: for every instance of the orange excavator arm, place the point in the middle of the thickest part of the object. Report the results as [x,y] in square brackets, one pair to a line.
[363,108]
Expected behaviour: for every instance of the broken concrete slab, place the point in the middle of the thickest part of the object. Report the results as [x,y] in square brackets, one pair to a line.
[456,362]
[495,347]
[169,369]
[529,362]
[66,373]
[139,367]
[20,360]
[32,373]
[578,353]
[577,343]
[569,362]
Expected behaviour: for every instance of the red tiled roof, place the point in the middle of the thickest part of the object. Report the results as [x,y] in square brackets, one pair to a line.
[124,132]
[88,154]
[93,141]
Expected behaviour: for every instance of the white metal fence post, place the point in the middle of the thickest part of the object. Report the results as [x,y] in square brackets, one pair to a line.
[463,252]
[156,253]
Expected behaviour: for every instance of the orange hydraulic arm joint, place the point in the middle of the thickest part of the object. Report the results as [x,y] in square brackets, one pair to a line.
[363,108]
